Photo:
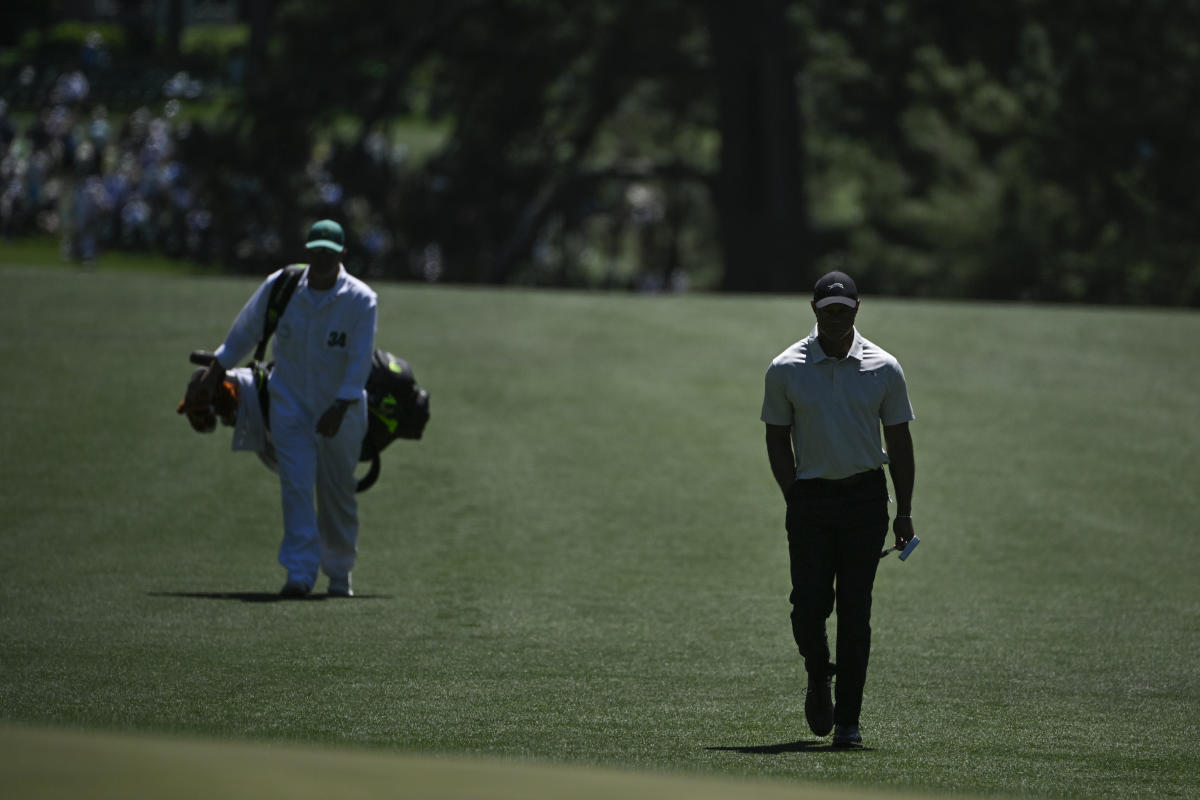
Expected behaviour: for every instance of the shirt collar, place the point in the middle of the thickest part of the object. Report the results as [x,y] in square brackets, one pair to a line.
[855,352]
[337,283]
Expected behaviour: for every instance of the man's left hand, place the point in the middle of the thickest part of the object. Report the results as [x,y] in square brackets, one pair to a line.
[331,421]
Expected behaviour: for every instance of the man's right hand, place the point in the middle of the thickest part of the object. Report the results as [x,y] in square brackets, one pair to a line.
[902,527]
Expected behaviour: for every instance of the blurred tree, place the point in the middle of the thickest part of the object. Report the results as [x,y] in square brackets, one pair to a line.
[19,16]
[173,30]
[760,188]
[138,28]
[529,89]
[1123,149]
[1006,150]
[1023,149]
[258,14]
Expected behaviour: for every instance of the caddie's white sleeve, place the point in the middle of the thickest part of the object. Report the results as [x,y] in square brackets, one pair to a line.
[247,329]
[361,346]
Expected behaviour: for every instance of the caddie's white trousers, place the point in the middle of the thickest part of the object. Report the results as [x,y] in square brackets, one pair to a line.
[320,535]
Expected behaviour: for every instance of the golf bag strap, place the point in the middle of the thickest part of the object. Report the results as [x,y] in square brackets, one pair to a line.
[282,290]
[368,480]
[261,373]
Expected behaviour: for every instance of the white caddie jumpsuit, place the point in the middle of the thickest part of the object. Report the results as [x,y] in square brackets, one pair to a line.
[322,352]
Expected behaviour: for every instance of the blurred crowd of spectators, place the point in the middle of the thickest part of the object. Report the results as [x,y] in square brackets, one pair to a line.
[123,181]
[71,172]
[101,154]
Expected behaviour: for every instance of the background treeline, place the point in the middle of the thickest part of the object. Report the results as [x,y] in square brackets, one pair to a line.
[1002,149]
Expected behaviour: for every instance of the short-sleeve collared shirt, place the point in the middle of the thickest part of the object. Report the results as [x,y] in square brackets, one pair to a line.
[835,406]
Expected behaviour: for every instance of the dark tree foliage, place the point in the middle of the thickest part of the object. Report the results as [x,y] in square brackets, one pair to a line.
[532,89]
[18,16]
[1019,149]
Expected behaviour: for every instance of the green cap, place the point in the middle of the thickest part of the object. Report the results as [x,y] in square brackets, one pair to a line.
[326,233]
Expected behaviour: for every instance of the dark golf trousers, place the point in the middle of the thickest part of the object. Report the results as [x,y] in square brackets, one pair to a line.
[836,531]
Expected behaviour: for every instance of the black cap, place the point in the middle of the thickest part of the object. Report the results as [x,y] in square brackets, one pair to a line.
[835,287]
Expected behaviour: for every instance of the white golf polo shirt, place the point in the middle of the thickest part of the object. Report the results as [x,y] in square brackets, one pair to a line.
[835,406]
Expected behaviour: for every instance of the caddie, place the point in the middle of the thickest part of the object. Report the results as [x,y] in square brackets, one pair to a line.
[322,354]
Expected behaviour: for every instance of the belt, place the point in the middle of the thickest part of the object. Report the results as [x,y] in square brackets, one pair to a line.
[847,482]
[819,486]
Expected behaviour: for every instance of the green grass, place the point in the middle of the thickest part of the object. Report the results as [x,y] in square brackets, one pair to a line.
[52,764]
[45,251]
[583,562]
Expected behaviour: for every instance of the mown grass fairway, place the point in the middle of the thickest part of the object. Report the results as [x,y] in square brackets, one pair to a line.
[583,561]
[48,764]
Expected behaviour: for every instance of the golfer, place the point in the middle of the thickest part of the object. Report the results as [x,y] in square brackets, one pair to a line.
[322,349]
[826,398]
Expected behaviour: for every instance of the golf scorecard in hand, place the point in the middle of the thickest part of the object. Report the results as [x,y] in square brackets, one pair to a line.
[907,551]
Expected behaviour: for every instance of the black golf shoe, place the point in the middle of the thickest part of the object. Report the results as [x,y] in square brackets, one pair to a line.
[847,736]
[818,705]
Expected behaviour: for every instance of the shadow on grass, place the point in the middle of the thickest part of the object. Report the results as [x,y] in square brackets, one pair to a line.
[267,597]
[801,746]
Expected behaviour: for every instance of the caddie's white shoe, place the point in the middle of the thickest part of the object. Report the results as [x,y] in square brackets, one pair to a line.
[340,587]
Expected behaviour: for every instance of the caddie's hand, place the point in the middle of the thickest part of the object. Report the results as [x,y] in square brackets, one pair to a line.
[331,421]
[200,394]
[902,527]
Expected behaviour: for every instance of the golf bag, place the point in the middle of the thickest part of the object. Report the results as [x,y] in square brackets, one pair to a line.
[397,408]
